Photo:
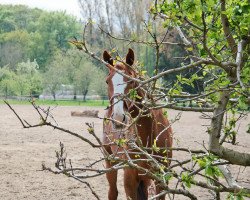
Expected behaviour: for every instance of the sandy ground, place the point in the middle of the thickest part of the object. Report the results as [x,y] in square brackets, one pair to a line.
[22,152]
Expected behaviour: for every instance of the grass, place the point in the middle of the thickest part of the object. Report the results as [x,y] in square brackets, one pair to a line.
[94,103]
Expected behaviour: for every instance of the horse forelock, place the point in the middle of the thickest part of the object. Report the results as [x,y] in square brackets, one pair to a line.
[120,66]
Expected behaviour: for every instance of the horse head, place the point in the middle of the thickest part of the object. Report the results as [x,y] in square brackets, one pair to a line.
[119,86]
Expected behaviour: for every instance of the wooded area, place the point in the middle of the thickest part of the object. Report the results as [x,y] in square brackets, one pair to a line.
[36,56]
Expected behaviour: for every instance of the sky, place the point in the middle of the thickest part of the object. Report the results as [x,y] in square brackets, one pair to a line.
[70,6]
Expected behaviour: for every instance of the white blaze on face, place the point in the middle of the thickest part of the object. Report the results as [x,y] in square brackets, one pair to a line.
[119,88]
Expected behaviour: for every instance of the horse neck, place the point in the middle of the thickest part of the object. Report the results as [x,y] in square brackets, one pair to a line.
[135,109]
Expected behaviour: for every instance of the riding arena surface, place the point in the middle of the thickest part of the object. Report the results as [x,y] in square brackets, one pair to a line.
[23,151]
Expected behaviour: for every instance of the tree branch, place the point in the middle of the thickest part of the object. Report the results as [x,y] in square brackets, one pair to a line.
[180,32]
[164,73]
[226,29]
[136,41]
[239,61]
[44,122]
[230,155]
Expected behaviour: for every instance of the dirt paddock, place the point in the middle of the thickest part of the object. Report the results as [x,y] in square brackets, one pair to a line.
[22,152]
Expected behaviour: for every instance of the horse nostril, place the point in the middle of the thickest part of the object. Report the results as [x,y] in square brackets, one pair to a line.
[112,115]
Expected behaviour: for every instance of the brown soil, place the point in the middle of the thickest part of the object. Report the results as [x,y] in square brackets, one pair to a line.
[22,152]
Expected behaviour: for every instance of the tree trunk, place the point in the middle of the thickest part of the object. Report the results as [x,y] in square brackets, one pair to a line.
[84,93]
[54,95]
[6,92]
[233,156]
[74,98]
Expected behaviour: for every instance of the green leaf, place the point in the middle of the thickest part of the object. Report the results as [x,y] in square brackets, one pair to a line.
[154,147]
[165,113]
[187,179]
[190,48]
[133,94]
[168,176]
[121,142]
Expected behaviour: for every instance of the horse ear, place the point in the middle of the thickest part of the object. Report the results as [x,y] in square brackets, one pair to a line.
[107,58]
[130,57]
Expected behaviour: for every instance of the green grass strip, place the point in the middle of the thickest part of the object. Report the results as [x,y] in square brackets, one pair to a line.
[94,103]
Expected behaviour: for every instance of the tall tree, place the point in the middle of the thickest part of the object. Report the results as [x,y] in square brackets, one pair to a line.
[30,79]
[73,62]
[7,81]
[14,47]
[84,76]
[55,28]
[55,76]
[98,84]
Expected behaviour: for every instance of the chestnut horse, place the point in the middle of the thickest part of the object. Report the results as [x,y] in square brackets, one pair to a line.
[148,127]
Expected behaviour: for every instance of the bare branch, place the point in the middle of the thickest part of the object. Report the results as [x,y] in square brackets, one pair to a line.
[75,177]
[170,71]
[21,121]
[182,35]
[194,109]
[228,176]
[184,39]
[136,41]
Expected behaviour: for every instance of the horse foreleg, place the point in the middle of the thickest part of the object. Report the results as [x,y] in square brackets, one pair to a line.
[112,180]
[131,183]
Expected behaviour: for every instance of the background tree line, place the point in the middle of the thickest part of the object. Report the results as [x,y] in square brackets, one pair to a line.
[33,37]
[35,55]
